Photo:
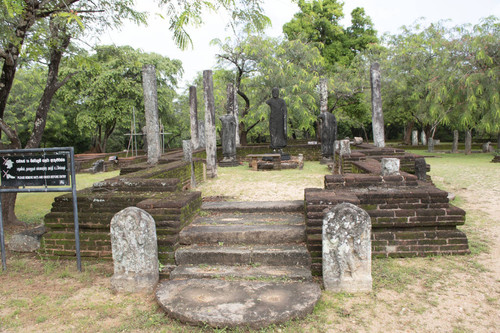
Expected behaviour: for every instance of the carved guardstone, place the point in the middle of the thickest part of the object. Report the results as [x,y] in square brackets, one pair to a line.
[135,251]
[347,249]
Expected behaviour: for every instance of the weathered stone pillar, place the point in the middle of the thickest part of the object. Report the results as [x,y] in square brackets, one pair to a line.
[187,149]
[323,95]
[423,138]
[232,108]
[193,113]
[390,166]
[201,133]
[454,147]
[414,138]
[347,249]
[151,113]
[210,134]
[134,250]
[377,115]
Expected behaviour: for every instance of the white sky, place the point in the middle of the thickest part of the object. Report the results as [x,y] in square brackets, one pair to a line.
[387,16]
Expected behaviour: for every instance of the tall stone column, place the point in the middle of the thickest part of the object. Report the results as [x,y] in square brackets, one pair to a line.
[423,138]
[210,134]
[235,111]
[377,115]
[151,113]
[193,113]
[414,138]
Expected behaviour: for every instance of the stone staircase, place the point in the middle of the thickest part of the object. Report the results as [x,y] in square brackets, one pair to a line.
[242,264]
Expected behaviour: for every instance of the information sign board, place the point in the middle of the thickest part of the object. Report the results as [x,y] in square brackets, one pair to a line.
[35,170]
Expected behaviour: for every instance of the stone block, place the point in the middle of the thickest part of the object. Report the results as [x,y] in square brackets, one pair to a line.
[135,251]
[390,166]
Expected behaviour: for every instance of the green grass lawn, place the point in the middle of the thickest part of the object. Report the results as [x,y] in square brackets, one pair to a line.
[32,207]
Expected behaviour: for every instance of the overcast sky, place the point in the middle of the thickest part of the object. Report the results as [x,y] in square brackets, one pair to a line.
[387,16]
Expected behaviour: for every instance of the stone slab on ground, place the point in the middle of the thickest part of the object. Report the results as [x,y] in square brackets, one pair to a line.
[255,206]
[219,303]
[27,240]
[285,273]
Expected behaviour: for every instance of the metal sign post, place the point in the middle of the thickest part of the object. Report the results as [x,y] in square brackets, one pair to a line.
[34,167]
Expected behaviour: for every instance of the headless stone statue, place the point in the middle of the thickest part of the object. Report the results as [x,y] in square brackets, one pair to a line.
[277,120]
[228,140]
[328,134]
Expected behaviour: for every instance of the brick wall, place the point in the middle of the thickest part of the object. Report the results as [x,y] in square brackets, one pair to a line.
[409,218]
[163,198]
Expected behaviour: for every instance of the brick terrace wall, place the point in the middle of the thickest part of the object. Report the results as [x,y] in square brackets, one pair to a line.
[409,218]
[162,197]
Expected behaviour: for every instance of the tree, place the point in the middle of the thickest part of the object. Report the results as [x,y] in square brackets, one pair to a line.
[319,22]
[108,86]
[66,19]
[262,63]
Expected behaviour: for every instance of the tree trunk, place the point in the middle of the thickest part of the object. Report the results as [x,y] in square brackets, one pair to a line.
[243,134]
[11,55]
[454,148]
[408,133]
[498,142]
[468,142]
[58,33]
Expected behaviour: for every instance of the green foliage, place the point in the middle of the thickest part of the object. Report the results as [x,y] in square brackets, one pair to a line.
[440,75]
[319,22]
[108,86]
[262,63]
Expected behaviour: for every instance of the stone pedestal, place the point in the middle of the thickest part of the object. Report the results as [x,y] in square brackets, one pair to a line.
[347,249]
[390,166]
[135,251]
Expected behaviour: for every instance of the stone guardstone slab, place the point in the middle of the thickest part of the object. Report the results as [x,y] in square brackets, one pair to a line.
[390,166]
[135,251]
[347,249]
[220,303]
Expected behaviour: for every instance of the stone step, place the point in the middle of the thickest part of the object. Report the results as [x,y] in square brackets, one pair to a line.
[254,206]
[250,219]
[245,229]
[229,304]
[244,272]
[279,255]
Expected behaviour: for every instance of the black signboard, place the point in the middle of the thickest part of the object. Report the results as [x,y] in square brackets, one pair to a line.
[34,170]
